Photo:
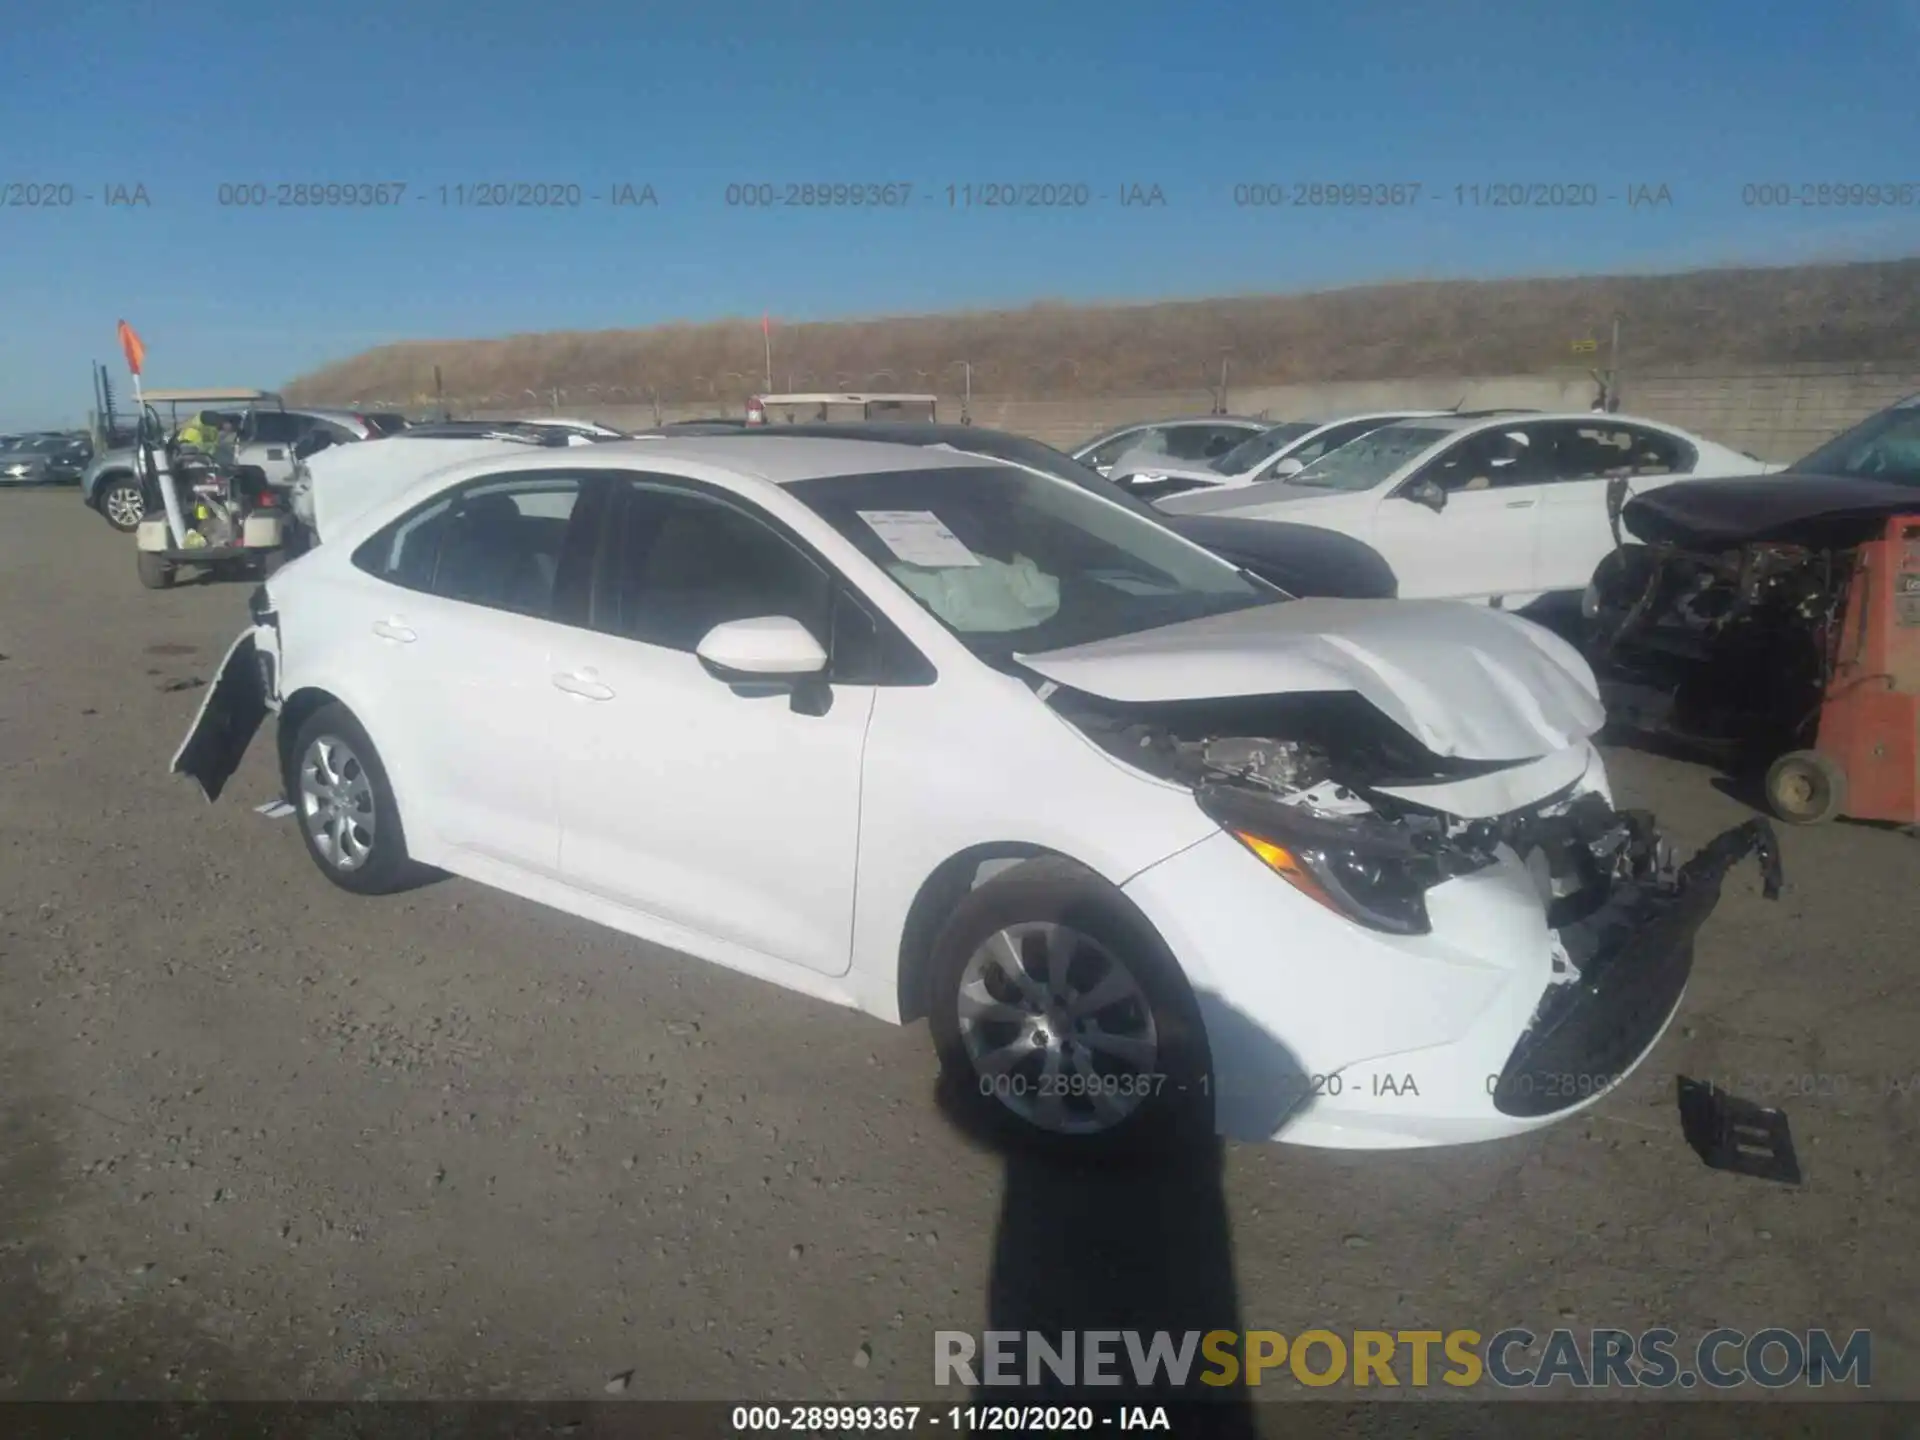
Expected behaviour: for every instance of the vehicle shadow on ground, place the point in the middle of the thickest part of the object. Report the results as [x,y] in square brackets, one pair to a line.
[1140,1243]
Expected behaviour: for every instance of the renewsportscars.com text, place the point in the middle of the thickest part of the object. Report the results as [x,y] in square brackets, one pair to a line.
[1514,1358]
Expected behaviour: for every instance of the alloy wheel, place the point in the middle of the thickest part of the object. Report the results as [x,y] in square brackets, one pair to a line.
[1058,1029]
[336,803]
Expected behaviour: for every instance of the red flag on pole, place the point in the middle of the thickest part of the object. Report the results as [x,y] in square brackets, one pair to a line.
[131,347]
[766,323]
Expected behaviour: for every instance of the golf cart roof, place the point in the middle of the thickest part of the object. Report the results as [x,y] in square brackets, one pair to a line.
[230,395]
[848,398]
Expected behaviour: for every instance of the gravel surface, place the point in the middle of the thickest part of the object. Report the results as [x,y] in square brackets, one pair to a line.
[262,1139]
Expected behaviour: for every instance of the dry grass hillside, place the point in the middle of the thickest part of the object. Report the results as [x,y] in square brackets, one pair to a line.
[1852,312]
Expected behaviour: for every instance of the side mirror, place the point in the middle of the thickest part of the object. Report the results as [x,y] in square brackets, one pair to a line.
[766,650]
[1427,493]
[1288,468]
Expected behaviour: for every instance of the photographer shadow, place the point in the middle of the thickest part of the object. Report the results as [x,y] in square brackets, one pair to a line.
[1138,1243]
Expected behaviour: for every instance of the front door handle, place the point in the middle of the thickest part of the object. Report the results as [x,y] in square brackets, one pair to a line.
[1519,504]
[584,685]
[390,630]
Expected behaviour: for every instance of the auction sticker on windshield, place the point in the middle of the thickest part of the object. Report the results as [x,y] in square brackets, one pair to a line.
[918,537]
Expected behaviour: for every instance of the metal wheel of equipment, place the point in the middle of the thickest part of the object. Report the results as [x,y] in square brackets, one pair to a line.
[1805,787]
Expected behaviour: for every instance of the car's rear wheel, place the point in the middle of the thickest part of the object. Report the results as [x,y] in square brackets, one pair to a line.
[122,504]
[1062,1020]
[344,803]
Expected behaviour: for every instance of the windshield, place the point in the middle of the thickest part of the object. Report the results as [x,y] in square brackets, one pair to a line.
[1881,447]
[1011,562]
[1251,453]
[1362,464]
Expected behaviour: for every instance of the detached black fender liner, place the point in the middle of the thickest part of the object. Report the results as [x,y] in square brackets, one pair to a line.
[1634,954]
[229,717]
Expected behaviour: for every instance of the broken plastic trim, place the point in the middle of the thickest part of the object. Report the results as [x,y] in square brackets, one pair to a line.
[1634,955]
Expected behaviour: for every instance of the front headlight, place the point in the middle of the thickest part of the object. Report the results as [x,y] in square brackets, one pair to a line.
[16,470]
[1364,869]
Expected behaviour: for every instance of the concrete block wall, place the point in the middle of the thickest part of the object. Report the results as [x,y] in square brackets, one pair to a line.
[1776,412]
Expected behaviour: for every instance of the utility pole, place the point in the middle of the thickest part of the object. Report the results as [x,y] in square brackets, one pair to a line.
[1220,399]
[1613,366]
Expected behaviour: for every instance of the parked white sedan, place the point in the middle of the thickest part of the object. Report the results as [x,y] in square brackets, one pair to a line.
[1155,849]
[1502,509]
[1274,454]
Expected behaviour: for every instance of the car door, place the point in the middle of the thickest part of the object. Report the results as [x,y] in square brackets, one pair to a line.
[729,811]
[1481,544]
[457,645]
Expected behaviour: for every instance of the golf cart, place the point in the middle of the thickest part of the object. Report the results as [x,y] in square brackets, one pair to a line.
[201,508]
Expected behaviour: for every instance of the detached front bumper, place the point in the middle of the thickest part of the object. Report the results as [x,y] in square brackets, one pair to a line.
[1634,955]
[1510,1015]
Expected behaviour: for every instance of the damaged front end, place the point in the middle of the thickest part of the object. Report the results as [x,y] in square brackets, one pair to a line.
[1364,821]
[1729,651]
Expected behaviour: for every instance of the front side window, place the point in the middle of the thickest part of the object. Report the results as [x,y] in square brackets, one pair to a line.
[688,562]
[1108,451]
[1202,442]
[1332,438]
[1488,460]
[1010,561]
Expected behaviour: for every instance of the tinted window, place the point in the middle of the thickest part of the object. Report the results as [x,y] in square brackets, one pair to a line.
[1202,442]
[1605,448]
[687,563]
[497,544]
[1109,451]
[1489,460]
[276,427]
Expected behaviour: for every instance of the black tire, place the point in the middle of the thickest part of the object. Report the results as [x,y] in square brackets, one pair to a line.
[1805,787]
[386,867]
[1176,1111]
[122,497]
[155,573]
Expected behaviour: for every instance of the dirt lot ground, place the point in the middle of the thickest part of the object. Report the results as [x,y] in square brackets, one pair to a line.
[259,1138]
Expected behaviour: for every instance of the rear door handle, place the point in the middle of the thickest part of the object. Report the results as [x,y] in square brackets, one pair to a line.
[390,630]
[584,685]
[1519,504]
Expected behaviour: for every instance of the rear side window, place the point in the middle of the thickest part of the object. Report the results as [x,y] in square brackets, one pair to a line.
[276,427]
[1202,442]
[499,544]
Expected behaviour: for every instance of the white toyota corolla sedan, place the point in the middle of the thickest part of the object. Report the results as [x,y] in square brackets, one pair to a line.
[1156,849]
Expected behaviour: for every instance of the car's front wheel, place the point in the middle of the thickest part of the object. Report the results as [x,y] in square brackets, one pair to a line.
[122,504]
[345,806]
[1062,1019]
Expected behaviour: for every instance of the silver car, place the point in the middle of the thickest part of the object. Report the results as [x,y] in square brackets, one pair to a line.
[264,442]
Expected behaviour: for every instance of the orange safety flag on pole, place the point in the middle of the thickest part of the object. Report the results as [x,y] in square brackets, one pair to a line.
[766,323]
[130,345]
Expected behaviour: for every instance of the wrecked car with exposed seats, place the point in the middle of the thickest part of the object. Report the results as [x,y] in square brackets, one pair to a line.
[1157,850]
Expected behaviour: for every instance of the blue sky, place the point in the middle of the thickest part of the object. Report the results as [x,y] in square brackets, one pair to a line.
[1702,97]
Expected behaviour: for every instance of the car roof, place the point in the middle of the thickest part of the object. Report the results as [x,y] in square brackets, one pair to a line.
[775,459]
[1252,422]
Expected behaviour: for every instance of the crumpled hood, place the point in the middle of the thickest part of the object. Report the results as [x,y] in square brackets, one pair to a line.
[1464,680]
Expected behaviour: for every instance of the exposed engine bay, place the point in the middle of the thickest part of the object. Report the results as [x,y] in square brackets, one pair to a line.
[1731,651]
[1309,776]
